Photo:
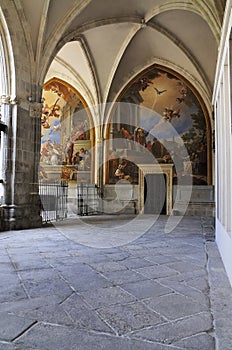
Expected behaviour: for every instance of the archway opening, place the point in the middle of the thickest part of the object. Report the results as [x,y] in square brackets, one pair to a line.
[160,119]
[169,110]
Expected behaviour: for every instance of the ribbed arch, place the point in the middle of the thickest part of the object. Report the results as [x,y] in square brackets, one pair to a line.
[198,7]
[7,67]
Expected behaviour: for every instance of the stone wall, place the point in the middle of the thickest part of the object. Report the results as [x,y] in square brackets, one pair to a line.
[21,204]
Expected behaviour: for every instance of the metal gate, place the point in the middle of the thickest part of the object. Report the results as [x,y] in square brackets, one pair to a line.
[54,198]
[87,199]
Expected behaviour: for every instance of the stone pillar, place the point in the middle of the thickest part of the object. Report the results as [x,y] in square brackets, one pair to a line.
[20,148]
[99,164]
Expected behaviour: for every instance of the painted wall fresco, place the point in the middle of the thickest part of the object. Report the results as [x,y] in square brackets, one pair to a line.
[65,133]
[169,118]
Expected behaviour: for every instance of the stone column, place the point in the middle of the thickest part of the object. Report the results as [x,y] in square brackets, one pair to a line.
[20,158]
[99,164]
[6,150]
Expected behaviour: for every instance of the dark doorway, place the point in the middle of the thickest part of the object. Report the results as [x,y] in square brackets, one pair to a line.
[155,194]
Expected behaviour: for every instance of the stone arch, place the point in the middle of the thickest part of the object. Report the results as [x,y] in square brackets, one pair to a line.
[204,115]
[7,108]
[7,66]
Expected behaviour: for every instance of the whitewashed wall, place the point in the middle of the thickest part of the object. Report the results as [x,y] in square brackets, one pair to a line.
[223,118]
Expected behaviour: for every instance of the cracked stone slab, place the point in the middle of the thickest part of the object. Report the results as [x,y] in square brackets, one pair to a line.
[11,326]
[196,342]
[88,281]
[48,313]
[161,259]
[8,278]
[6,266]
[22,306]
[68,271]
[156,271]
[107,266]
[198,259]
[129,317]
[12,292]
[183,267]
[143,253]
[107,296]
[48,287]
[171,332]
[174,306]
[146,289]
[22,263]
[38,274]
[7,346]
[84,317]
[200,283]
[118,256]
[49,337]
[120,277]
[91,259]
[188,291]
[134,263]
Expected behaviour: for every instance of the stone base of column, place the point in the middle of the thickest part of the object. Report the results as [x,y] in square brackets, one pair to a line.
[19,217]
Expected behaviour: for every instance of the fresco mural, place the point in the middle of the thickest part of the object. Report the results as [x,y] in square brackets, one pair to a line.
[65,134]
[168,111]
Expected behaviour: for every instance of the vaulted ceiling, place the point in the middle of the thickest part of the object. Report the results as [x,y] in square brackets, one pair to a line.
[98,46]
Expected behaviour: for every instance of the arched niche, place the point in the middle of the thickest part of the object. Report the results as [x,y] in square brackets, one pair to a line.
[67,135]
[166,107]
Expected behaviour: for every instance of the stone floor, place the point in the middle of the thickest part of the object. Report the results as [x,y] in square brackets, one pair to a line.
[114,283]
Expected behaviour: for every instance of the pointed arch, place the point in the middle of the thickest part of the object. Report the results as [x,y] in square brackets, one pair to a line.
[134,93]
[7,65]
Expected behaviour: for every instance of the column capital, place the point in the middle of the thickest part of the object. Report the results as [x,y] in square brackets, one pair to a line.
[4,99]
[7,100]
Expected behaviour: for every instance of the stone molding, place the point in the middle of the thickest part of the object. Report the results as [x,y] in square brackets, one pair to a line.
[6,99]
[35,109]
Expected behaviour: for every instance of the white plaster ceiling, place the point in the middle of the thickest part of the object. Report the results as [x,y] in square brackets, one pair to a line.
[99,46]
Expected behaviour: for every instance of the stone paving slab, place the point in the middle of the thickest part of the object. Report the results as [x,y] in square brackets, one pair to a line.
[156,271]
[22,306]
[129,317]
[107,296]
[88,281]
[146,289]
[134,263]
[11,292]
[161,259]
[47,287]
[171,332]
[7,346]
[83,316]
[197,342]
[120,277]
[47,337]
[188,291]
[12,325]
[107,266]
[174,306]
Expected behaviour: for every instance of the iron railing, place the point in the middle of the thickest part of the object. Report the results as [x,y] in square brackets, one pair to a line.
[54,198]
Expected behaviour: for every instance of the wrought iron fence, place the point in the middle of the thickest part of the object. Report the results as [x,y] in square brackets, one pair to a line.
[54,198]
[87,199]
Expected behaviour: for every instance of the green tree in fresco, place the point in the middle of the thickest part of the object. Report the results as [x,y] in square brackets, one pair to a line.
[196,135]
